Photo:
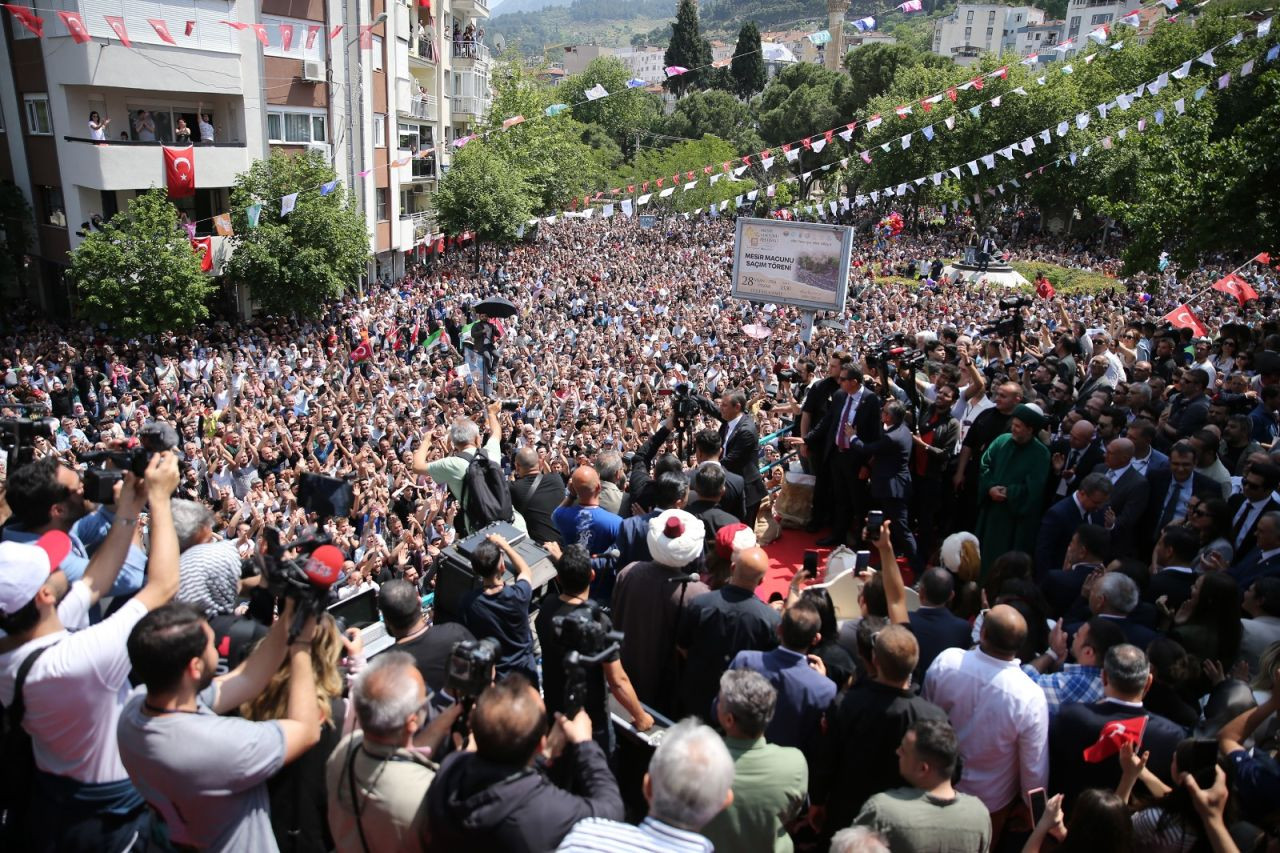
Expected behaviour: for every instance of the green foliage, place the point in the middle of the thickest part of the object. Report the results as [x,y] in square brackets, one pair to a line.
[803,100]
[295,264]
[1067,280]
[680,159]
[874,69]
[139,273]
[747,66]
[591,21]
[18,224]
[484,193]
[687,49]
[623,113]
[716,113]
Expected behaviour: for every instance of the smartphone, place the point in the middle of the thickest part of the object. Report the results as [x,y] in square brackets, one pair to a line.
[1039,802]
[875,519]
[1202,761]
[862,561]
[810,567]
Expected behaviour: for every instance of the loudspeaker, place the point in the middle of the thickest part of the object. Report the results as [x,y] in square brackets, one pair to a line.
[454,577]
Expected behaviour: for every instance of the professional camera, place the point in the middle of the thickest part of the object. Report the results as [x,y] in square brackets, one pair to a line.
[18,435]
[471,667]
[787,374]
[99,483]
[589,640]
[685,405]
[895,349]
[304,570]
[510,405]
[1013,303]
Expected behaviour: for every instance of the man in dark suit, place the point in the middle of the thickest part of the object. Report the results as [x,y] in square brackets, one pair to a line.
[1083,506]
[707,445]
[1126,676]
[889,456]
[854,412]
[936,627]
[1173,575]
[1255,498]
[1264,559]
[1130,493]
[1172,490]
[707,495]
[1086,554]
[1072,459]
[632,540]
[535,495]
[740,438]
[1115,596]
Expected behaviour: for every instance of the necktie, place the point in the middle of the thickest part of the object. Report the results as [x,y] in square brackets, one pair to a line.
[1170,505]
[1246,509]
[1065,483]
[841,440]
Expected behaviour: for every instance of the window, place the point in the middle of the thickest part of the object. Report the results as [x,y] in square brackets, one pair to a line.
[989,31]
[991,17]
[381,196]
[968,18]
[296,127]
[968,33]
[299,33]
[52,211]
[379,130]
[1099,20]
[39,121]
[1075,27]
[377,53]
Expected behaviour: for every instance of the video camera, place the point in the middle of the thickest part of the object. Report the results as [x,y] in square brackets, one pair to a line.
[18,435]
[589,639]
[895,349]
[1009,326]
[471,665]
[306,577]
[99,483]
[685,405]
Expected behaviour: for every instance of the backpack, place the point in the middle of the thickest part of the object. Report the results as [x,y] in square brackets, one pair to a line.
[486,494]
[19,761]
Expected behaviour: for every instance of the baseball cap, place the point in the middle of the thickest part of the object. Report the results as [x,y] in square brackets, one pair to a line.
[24,568]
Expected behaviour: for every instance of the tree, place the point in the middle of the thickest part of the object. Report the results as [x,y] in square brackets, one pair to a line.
[748,62]
[803,100]
[623,113]
[485,194]
[139,273]
[296,263]
[875,68]
[687,49]
[716,113]
[679,160]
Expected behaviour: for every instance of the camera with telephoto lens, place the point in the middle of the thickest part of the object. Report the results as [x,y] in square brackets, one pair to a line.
[304,570]
[510,405]
[18,435]
[471,666]
[1009,325]
[589,640]
[895,350]
[99,482]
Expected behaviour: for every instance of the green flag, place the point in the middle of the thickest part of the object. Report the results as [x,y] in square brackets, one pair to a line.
[432,339]
[252,212]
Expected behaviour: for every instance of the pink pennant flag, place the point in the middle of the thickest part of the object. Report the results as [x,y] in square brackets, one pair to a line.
[333,33]
[903,111]
[366,36]
[75,26]
[286,37]
[162,30]
[117,26]
[866,158]
[911,6]
[312,31]
[237,25]
[191,27]
[364,173]
[512,122]
[676,70]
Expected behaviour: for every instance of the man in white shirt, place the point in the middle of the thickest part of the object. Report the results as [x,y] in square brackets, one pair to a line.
[1000,715]
[82,798]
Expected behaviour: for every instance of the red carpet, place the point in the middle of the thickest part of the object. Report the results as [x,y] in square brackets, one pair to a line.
[786,556]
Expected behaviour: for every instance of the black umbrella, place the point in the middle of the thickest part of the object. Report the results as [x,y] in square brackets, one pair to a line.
[496,306]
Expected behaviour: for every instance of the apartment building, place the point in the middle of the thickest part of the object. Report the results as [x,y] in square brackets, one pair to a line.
[1085,16]
[977,28]
[412,88]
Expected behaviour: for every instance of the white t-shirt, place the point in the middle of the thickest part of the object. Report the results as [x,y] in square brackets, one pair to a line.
[74,694]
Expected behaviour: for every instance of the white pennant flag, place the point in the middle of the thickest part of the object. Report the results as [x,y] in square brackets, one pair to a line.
[832,205]
[818,144]
[668,191]
[950,122]
[1207,59]
[644,199]
[596,92]
[1063,128]
[989,160]
[1123,102]
[767,162]
[607,212]
[1246,69]
[927,130]
[724,205]
[955,170]
[739,172]
[906,142]
[973,167]
[690,185]
[805,175]
[1044,136]
[1181,72]
[1007,153]
[936,177]
[793,155]
[1264,28]
[919,181]
[1180,105]
[1082,120]
[626,207]
[885,147]
[751,196]
[846,135]
[995,102]
[1236,39]
[1020,91]
[771,190]
[287,203]
[717,176]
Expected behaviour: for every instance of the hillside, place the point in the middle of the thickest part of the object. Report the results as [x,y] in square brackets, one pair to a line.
[512,7]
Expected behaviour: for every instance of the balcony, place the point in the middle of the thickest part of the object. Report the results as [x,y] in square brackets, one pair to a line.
[128,165]
[416,226]
[423,49]
[422,106]
[467,54]
[467,108]
[477,8]
[424,169]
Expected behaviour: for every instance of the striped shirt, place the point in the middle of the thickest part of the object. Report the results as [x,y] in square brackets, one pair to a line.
[597,835]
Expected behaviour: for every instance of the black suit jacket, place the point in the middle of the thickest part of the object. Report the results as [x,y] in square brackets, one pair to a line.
[1175,584]
[937,629]
[890,471]
[733,501]
[1056,529]
[1253,567]
[1251,535]
[742,456]
[1158,492]
[867,425]
[1062,587]
[1091,458]
[1076,728]
[1129,498]
[1134,631]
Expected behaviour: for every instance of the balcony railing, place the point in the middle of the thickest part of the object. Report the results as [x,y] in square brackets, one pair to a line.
[467,105]
[470,50]
[424,168]
[423,106]
[423,48]
[121,165]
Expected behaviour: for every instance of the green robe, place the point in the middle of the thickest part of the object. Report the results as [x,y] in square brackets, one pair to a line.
[1012,525]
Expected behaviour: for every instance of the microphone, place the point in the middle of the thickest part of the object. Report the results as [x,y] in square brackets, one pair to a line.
[692,577]
[324,565]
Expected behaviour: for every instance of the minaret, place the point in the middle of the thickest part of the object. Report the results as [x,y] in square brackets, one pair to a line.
[835,25]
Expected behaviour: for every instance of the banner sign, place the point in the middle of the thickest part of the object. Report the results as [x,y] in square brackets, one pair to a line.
[647,220]
[805,264]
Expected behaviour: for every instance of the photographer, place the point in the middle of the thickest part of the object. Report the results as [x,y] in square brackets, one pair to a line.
[496,798]
[205,774]
[73,684]
[501,610]
[574,574]
[47,495]
[430,645]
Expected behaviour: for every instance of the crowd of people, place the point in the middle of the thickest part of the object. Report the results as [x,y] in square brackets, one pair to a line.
[1083,501]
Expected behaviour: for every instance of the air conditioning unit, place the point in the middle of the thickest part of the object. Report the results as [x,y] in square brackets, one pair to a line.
[323,148]
[312,71]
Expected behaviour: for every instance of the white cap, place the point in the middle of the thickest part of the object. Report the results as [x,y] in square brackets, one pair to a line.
[24,568]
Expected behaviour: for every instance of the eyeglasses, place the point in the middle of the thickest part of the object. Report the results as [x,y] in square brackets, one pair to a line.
[1253,484]
[1198,512]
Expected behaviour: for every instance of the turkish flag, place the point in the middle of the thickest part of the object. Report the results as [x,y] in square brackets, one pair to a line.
[1044,289]
[1183,317]
[1237,287]
[117,26]
[363,352]
[180,171]
[75,26]
[203,247]
[1113,735]
[1263,258]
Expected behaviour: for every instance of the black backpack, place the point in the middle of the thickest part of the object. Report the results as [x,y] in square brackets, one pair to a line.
[486,495]
[19,762]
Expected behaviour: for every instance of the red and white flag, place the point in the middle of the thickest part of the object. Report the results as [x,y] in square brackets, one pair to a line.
[1183,317]
[117,26]
[1114,735]
[75,26]
[364,352]
[162,30]
[203,247]
[1237,287]
[29,19]
[180,171]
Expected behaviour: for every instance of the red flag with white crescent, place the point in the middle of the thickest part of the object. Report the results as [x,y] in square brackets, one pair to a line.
[1237,287]
[1183,317]
[75,26]
[203,247]
[180,171]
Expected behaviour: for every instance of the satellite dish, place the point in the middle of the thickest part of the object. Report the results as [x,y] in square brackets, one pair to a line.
[499,43]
